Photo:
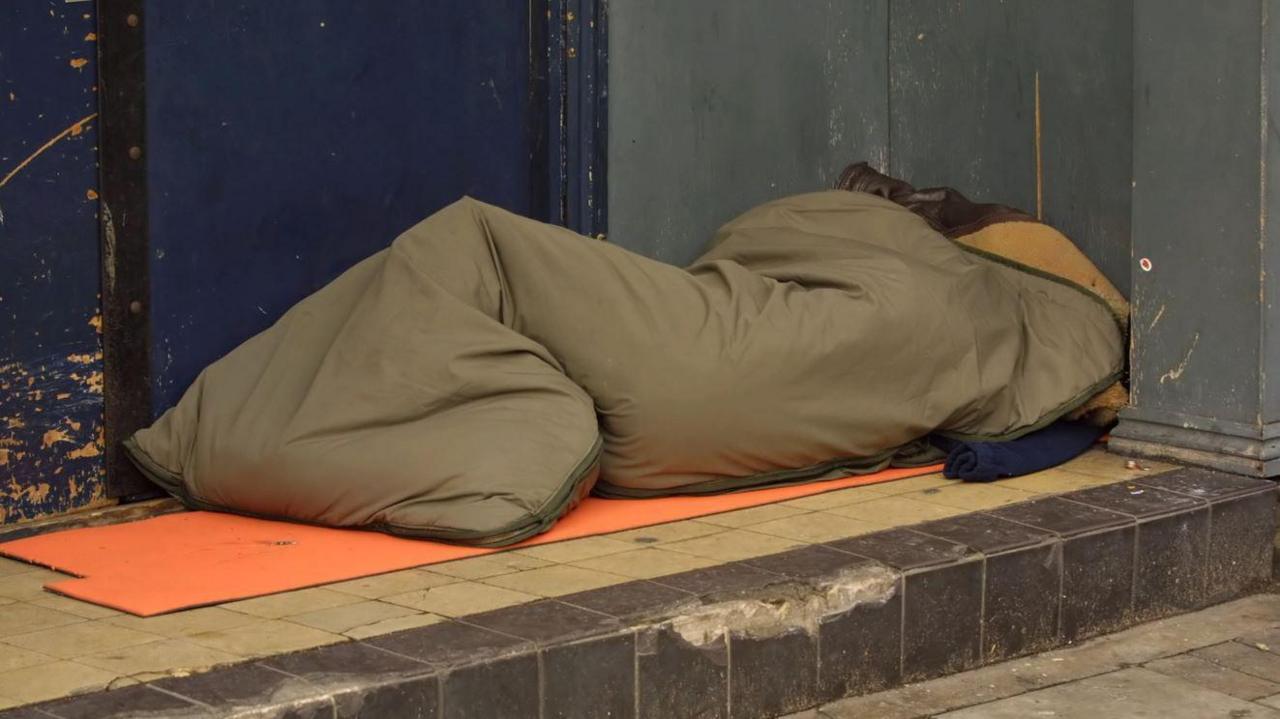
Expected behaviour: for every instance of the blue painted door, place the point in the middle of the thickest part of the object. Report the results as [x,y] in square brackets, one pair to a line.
[286,140]
[51,403]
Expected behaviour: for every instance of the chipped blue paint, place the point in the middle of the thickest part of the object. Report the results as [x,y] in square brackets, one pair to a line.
[50,436]
[50,360]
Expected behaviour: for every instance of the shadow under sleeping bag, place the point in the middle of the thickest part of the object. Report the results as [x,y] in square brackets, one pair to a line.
[476,379]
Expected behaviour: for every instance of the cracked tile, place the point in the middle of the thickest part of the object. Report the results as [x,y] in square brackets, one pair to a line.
[455,600]
[340,620]
[646,563]
[556,581]
[384,585]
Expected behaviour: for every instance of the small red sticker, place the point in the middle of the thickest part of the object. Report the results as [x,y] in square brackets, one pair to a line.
[1145,264]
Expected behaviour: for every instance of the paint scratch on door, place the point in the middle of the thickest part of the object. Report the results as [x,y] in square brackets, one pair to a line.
[1176,373]
[75,129]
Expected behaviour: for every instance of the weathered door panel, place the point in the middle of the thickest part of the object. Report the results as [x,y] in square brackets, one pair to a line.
[50,358]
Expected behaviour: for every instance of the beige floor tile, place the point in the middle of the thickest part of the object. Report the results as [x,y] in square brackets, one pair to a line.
[20,618]
[186,623]
[15,657]
[895,511]
[340,620]
[383,585]
[489,565]
[265,637]
[815,527]
[399,624]
[50,681]
[455,600]
[13,566]
[556,581]
[274,606]
[670,532]
[167,657]
[29,585]
[753,515]
[1104,464]
[733,545]
[75,606]
[838,498]
[972,496]
[1055,481]
[646,563]
[576,549]
[75,640]
[913,484]
[7,703]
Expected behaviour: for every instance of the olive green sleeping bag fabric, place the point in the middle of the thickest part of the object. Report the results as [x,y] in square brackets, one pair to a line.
[476,379]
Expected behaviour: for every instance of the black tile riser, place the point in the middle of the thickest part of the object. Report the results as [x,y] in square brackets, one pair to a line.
[942,620]
[1022,602]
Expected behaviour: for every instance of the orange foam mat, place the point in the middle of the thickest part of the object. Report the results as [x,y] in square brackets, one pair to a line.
[192,559]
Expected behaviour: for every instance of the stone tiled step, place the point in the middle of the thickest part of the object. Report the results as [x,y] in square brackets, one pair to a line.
[780,633]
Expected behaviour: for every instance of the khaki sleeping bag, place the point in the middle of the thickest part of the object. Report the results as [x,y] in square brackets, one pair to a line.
[477,378]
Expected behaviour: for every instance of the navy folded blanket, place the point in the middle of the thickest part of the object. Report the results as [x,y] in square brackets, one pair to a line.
[989,461]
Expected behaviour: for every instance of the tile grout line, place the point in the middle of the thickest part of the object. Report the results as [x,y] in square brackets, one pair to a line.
[540,662]
[1137,559]
[982,612]
[1060,554]
[728,675]
[635,671]
[1208,546]
[902,628]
